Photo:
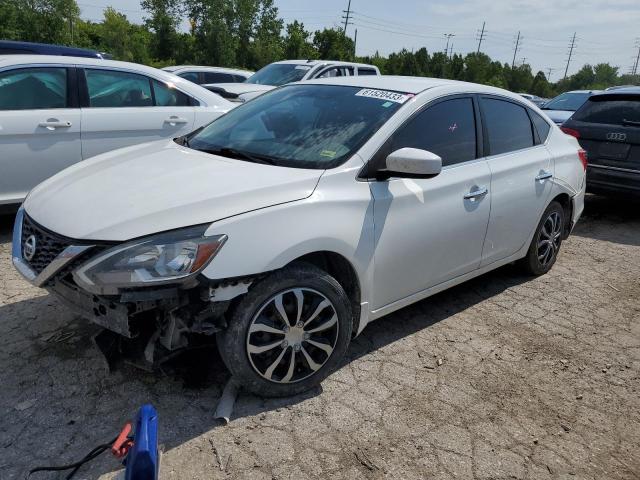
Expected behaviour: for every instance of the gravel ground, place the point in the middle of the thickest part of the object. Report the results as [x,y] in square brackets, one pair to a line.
[502,377]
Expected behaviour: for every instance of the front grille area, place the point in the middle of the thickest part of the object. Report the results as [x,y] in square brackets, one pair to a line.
[48,244]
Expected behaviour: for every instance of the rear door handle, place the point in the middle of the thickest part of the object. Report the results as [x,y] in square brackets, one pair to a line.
[175,120]
[473,194]
[544,175]
[53,124]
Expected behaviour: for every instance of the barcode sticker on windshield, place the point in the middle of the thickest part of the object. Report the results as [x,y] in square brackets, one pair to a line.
[302,67]
[384,95]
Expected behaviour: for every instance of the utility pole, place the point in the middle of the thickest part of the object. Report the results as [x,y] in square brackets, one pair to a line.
[355,43]
[451,50]
[549,70]
[524,61]
[515,52]
[448,35]
[481,37]
[571,47]
[635,65]
[347,13]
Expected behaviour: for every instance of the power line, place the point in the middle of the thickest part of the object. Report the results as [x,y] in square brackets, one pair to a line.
[346,17]
[481,37]
[571,47]
[449,36]
[515,51]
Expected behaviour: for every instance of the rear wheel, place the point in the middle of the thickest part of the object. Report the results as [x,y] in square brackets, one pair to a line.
[546,242]
[288,332]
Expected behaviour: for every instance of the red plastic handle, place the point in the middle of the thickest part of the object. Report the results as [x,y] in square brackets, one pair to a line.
[123,443]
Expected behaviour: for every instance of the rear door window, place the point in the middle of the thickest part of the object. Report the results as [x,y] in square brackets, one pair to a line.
[366,71]
[191,76]
[110,88]
[218,77]
[167,96]
[611,110]
[33,88]
[508,126]
[447,129]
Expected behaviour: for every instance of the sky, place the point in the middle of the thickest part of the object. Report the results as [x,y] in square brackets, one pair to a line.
[606,31]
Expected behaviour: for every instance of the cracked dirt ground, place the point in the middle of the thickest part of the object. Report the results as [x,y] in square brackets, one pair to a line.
[502,377]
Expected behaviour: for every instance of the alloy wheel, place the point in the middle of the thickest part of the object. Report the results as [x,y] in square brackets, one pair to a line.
[292,335]
[549,239]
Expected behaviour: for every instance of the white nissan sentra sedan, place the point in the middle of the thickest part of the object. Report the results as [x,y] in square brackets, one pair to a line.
[290,223]
[56,111]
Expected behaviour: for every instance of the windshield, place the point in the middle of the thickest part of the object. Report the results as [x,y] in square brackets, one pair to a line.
[301,126]
[277,74]
[567,101]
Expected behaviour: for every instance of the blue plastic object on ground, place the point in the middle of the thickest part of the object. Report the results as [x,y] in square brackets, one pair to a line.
[142,462]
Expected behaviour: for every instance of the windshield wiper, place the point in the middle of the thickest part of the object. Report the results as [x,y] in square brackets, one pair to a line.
[630,122]
[240,155]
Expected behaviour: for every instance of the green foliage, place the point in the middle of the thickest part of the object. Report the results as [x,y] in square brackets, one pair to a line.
[250,34]
[332,44]
[297,43]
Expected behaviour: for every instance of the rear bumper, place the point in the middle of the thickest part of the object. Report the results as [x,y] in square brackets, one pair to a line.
[613,180]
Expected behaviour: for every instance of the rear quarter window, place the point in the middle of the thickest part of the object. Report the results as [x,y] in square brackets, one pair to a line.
[612,111]
[541,126]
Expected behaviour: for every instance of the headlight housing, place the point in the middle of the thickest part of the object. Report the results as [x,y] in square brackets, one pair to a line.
[159,259]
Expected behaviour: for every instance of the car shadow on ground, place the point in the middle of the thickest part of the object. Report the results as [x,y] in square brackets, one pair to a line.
[77,398]
[601,216]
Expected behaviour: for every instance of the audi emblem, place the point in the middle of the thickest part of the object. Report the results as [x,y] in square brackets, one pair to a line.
[616,137]
[29,248]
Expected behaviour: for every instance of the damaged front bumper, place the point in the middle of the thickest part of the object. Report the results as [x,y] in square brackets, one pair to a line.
[153,322]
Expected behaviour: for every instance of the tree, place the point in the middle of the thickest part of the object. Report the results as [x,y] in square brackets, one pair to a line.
[332,44]
[48,21]
[267,43]
[297,44]
[163,22]
[124,40]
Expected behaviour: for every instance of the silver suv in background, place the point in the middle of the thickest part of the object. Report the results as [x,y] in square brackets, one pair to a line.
[560,108]
[288,71]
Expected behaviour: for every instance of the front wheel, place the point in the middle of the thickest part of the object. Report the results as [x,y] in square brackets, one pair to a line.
[288,332]
[544,248]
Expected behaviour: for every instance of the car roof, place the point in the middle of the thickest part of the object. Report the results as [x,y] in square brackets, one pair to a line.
[176,68]
[413,85]
[47,48]
[618,92]
[313,63]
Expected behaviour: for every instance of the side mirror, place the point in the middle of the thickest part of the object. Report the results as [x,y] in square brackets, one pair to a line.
[412,163]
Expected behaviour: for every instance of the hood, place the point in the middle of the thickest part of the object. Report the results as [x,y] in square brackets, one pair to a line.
[158,186]
[240,88]
[558,116]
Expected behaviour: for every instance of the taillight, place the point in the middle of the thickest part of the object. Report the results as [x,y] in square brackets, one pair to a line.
[570,131]
[583,158]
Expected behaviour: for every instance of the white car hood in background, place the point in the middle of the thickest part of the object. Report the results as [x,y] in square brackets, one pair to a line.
[158,186]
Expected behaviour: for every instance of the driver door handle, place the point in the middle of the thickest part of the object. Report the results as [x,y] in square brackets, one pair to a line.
[473,194]
[53,124]
[175,120]
[544,175]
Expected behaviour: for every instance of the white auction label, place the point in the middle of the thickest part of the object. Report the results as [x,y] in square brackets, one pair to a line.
[384,95]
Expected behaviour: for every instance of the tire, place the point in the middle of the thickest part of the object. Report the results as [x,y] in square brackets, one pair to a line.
[540,259]
[269,354]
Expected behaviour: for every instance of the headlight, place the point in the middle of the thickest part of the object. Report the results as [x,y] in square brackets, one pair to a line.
[162,258]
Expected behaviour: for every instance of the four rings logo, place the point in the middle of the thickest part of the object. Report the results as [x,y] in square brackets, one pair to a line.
[616,137]
[29,248]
